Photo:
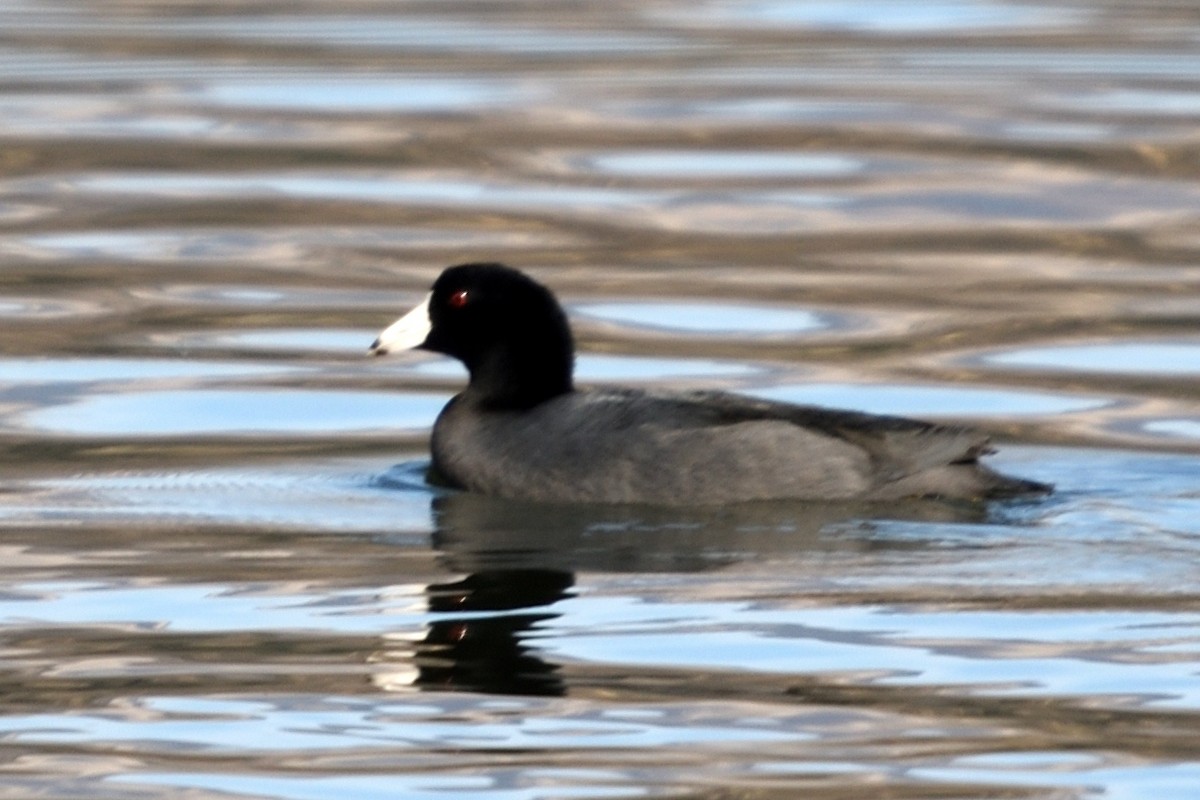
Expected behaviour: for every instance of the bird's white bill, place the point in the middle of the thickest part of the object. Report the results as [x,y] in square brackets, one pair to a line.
[405,333]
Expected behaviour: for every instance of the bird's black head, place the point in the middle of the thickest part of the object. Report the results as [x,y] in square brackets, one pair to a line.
[507,329]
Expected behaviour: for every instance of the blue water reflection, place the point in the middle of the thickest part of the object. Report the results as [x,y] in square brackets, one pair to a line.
[351,495]
[1139,102]
[236,244]
[199,608]
[257,726]
[994,652]
[1176,428]
[1069,772]
[367,32]
[297,340]
[602,368]
[386,786]
[766,210]
[377,187]
[879,16]
[189,412]
[1097,63]
[34,371]
[1130,358]
[708,318]
[691,164]
[351,95]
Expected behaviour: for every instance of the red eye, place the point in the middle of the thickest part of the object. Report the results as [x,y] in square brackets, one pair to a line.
[458,299]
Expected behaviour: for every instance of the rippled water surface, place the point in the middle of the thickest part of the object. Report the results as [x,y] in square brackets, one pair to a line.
[225,576]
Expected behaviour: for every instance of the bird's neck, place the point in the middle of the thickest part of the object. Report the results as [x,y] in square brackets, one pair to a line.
[504,380]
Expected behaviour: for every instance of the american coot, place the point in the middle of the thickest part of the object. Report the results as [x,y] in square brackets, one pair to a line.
[521,430]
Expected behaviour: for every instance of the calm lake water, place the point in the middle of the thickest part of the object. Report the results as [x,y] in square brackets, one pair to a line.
[224,576]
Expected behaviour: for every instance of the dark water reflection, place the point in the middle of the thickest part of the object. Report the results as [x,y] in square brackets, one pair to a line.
[224,574]
[518,555]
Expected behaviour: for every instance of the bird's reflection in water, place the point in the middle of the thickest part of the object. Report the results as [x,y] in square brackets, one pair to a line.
[520,559]
[487,652]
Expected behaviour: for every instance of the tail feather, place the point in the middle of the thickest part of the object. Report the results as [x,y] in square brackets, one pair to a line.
[1005,486]
[963,480]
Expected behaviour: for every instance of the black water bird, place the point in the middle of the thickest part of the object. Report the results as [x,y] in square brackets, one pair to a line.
[522,430]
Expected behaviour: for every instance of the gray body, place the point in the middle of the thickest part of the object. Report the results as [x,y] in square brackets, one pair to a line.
[522,431]
[630,446]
